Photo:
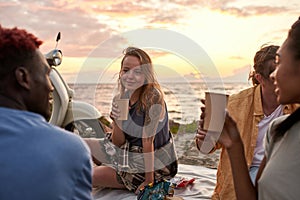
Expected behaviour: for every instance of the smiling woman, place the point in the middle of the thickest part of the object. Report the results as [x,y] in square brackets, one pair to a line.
[142,145]
[131,75]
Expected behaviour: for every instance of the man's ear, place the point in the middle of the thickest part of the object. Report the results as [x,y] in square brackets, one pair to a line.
[259,78]
[23,77]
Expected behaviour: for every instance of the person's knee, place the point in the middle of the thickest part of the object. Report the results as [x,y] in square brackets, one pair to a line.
[103,176]
[90,141]
[98,175]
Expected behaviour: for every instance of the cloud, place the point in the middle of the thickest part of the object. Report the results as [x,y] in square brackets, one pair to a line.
[248,11]
[121,8]
[84,25]
[80,31]
[239,75]
[236,58]
[231,7]
[87,24]
[149,11]
[157,54]
[165,17]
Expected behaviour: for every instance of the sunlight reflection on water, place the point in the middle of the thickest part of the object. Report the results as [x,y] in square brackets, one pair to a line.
[183,99]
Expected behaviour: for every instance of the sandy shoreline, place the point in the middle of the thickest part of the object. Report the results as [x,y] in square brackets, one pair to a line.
[188,153]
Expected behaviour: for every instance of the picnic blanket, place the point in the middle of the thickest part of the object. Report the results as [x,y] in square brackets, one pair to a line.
[202,188]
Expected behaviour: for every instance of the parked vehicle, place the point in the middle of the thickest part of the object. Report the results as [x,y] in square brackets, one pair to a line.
[76,116]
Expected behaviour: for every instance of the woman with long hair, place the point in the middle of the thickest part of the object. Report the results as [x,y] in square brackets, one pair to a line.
[141,148]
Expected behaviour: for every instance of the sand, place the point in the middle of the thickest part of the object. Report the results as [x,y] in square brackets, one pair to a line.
[186,149]
[188,153]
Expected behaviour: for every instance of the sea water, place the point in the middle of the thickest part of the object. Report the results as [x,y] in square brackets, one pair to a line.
[182,99]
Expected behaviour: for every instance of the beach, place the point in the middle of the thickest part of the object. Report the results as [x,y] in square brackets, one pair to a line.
[183,103]
[188,153]
[185,146]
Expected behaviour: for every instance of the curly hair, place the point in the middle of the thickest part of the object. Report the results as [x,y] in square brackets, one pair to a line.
[17,46]
[265,54]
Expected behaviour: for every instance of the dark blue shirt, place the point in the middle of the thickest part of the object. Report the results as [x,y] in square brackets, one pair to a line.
[133,128]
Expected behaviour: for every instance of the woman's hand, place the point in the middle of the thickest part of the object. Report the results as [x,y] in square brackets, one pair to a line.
[230,134]
[115,111]
[142,186]
[118,137]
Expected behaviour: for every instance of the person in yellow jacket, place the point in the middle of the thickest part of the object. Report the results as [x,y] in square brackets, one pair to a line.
[252,109]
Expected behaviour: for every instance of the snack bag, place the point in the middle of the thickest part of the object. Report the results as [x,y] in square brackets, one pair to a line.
[154,191]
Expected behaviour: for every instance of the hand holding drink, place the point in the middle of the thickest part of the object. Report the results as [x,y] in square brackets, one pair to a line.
[123,105]
[215,105]
[120,108]
[211,121]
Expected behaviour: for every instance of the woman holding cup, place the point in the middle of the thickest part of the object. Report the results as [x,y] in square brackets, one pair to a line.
[143,149]
[280,167]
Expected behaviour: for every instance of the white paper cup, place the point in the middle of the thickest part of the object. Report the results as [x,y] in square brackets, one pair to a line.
[215,106]
[123,105]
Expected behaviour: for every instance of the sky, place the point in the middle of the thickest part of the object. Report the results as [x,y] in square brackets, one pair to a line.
[187,39]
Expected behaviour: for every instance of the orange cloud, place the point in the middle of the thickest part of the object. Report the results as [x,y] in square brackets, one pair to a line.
[87,24]
[80,32]
[254,10]
[236,58]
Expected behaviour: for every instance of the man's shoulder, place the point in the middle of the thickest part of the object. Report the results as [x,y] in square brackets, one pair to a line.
[243,95]
[65,135]
[56,136]
[20,122]
[66,142]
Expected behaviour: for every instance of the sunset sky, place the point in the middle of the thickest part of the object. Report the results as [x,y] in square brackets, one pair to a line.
[187,39]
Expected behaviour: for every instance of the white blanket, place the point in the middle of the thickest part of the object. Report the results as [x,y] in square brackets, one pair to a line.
[202,188]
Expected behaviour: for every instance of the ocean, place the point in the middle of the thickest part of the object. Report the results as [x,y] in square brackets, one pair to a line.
[182,99]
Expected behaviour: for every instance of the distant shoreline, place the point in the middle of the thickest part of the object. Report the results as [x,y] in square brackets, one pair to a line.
[169,82]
